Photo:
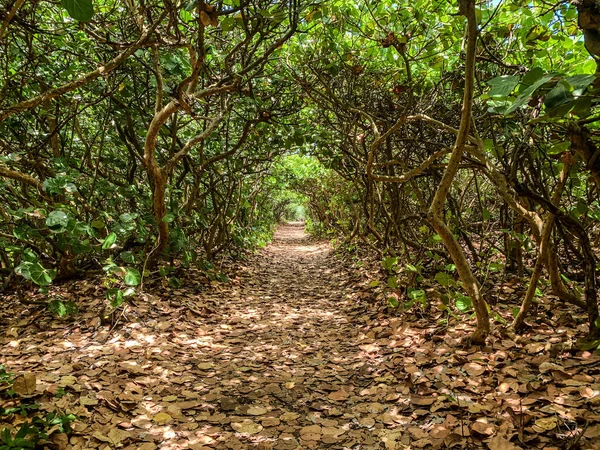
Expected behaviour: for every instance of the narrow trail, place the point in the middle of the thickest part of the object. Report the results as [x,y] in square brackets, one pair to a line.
[272,360]
[285,356]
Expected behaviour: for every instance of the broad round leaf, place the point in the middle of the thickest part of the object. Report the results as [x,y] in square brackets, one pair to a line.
[81,10]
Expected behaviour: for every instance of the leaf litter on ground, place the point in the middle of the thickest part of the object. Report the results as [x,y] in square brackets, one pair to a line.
[294,353]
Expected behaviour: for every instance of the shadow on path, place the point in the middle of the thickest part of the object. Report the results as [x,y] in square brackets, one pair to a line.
[269,361]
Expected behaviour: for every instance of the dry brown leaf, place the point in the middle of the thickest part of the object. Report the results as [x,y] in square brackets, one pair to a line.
[390,439]
[548,366]
[501,443]
[439,431]
[162,419]
[546,424]
[338,396]
[367,422]
[311,433]
[481,426]
[422,401]
[333,431]
[473,369]
[592,432]
[257,411]
[270,422]
[25,384]
[85,400]
[67,381]
[247,426]
[289,416]
[205,18]
[418,433]
[117,436]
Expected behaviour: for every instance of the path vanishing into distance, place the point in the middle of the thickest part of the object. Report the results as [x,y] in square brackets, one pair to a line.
[284,356]
[272,360]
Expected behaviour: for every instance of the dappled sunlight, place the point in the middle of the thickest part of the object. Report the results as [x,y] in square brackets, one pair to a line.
[227,378]
[277,362]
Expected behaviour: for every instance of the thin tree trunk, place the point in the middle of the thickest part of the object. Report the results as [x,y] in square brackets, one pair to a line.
[543,249]
[435,214]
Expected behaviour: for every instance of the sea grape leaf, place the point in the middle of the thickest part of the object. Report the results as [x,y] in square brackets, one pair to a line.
[57,221]
[502,86]
[81,10]
[526,95]
[133,277]
[109,241]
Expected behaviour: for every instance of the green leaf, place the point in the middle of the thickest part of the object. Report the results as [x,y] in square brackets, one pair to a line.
[388,263]
[579,83]
[128,257]
[502,86]
[109,241]
[392,302]
[496,267]
[526,95]
[463,303]
[499,318]
[34,271]
[559,147]
[115,297]
[57,221]
[133,277]
[530,77]
[444,279]
[411,268]
[559,95]
[127,217]
[81,10]
[417,294]
[374,283]
[98,224]
[62,308]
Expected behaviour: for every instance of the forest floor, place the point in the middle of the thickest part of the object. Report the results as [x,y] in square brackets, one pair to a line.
[290,355]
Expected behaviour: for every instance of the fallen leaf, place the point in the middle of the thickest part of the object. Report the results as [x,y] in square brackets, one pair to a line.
[117,436]
[257,411]
[592,432]
[482,427]
[367,422]
[67,380]
[162,418]
[439,431]
[423,401]
[289,416]
[546,424]
[501,443]
[338,396]
[247,426]
[310,433]
[547,366]
[25,384]
[473,369]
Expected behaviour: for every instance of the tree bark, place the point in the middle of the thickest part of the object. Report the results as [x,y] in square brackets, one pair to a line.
[435,213]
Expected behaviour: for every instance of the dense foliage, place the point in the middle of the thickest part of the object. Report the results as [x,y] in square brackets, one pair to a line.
[452,140]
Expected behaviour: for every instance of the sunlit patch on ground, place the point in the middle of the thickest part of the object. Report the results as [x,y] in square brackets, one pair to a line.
[284,359]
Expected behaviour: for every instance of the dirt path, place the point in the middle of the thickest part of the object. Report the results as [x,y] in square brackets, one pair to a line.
[268,361]
[287,356]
